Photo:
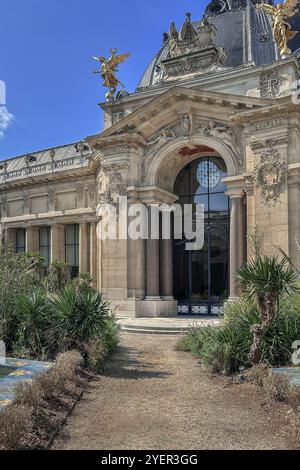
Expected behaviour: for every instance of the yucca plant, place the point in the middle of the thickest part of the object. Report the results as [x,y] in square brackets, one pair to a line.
[265,280]
[77,317]
[32,311]
[18,273]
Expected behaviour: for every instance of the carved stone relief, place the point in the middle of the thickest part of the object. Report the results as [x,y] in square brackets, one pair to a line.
[269,84]
[229,136]
[268,124]
[270,174]
[193,50]
[111,186]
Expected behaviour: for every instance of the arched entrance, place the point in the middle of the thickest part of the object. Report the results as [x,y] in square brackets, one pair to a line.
[201,278]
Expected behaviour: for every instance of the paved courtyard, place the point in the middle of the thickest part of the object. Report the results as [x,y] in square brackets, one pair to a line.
[153,397]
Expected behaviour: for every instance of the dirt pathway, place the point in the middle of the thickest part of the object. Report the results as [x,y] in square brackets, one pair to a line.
[152,397]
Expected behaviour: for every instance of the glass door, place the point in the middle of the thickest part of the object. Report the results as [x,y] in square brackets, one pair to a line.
[201,277]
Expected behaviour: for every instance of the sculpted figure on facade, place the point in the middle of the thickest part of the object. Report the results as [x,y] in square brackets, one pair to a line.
[227,135]
[186,125]
[282,30]
[109,69]
[164,136]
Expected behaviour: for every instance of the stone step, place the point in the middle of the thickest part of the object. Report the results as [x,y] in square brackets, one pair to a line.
[151,331]
[155,327]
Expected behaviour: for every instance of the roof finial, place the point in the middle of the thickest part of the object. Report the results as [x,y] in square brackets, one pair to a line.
[188,16]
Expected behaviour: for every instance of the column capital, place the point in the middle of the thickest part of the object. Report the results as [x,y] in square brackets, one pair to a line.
[235,193]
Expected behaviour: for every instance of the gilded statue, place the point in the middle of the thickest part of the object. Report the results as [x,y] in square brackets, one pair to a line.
[282,30]
[109,69]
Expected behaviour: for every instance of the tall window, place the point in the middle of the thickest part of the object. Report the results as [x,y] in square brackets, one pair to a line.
[44,246]
[21,240]
[201,277]
[72,249]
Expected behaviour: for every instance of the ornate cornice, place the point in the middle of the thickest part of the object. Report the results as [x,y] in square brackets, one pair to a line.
[116,144]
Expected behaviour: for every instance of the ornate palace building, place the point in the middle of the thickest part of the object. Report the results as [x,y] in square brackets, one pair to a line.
[214,120]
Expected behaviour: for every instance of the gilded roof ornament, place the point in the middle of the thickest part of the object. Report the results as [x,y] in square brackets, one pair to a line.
[108,71]
[282,30]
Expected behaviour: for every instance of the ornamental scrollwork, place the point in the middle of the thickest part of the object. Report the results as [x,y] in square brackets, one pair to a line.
[111,187]
[269,175]
[269,84]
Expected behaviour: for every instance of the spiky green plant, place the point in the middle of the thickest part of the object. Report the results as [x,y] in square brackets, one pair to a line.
[19,272]
[77,317]
[32,315]
[265,280]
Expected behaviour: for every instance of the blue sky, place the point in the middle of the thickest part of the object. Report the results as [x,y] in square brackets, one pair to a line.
[46,48]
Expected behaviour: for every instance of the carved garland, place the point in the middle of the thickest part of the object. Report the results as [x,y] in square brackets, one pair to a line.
[269,175]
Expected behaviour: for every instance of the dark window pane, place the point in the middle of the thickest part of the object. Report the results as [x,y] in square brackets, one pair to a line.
[202,276]
[20,240]
[72,249]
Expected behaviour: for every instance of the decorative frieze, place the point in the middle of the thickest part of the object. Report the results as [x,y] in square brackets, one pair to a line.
[268,124]
[275,140]
[117,149]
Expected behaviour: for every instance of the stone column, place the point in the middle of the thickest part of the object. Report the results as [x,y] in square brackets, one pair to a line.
[166,270]
[32,239]
[83,248]
[57,243]
[237,239]
[93,252]
[152,261]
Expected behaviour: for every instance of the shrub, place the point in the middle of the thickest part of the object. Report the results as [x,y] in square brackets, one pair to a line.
[15,421]
[19,272]
[96,354]
[110,333]
[32,316]
[28,393]
[226,348]
[265,280]
[83,282]
[57,276]
[64,370]
[77,317]
[40,405]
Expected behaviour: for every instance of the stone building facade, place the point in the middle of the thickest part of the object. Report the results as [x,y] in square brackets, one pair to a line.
[215,120]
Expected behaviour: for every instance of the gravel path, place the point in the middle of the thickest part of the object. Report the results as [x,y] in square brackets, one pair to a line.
[152,397]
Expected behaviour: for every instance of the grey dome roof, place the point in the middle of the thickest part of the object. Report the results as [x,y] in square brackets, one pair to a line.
[244,32]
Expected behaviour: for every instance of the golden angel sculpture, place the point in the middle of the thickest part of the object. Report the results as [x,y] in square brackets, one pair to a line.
[282,30]
[109,68]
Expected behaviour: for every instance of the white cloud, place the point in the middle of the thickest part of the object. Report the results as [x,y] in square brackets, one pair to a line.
[6,118]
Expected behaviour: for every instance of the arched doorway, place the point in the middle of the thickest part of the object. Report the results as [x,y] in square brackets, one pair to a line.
[201,278]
